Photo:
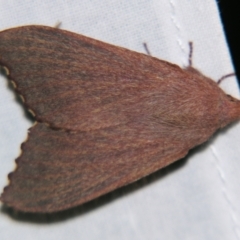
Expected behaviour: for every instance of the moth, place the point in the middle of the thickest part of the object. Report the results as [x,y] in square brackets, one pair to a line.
[105,116]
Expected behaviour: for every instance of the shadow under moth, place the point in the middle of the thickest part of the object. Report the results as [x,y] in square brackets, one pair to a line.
[105,116]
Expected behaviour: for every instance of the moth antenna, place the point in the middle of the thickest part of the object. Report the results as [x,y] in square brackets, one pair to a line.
[146,49]
[224,77]
[190,54]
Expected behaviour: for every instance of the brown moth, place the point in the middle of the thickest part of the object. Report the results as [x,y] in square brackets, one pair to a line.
[105,116]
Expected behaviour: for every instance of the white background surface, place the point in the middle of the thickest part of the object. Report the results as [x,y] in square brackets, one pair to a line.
[196,199]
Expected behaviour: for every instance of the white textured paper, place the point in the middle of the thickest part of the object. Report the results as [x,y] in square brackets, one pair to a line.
[198,199]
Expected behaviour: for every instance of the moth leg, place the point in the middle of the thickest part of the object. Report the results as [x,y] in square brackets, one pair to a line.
[225,76]
[58,24]
[146,49]
[190,54]
[191,69]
